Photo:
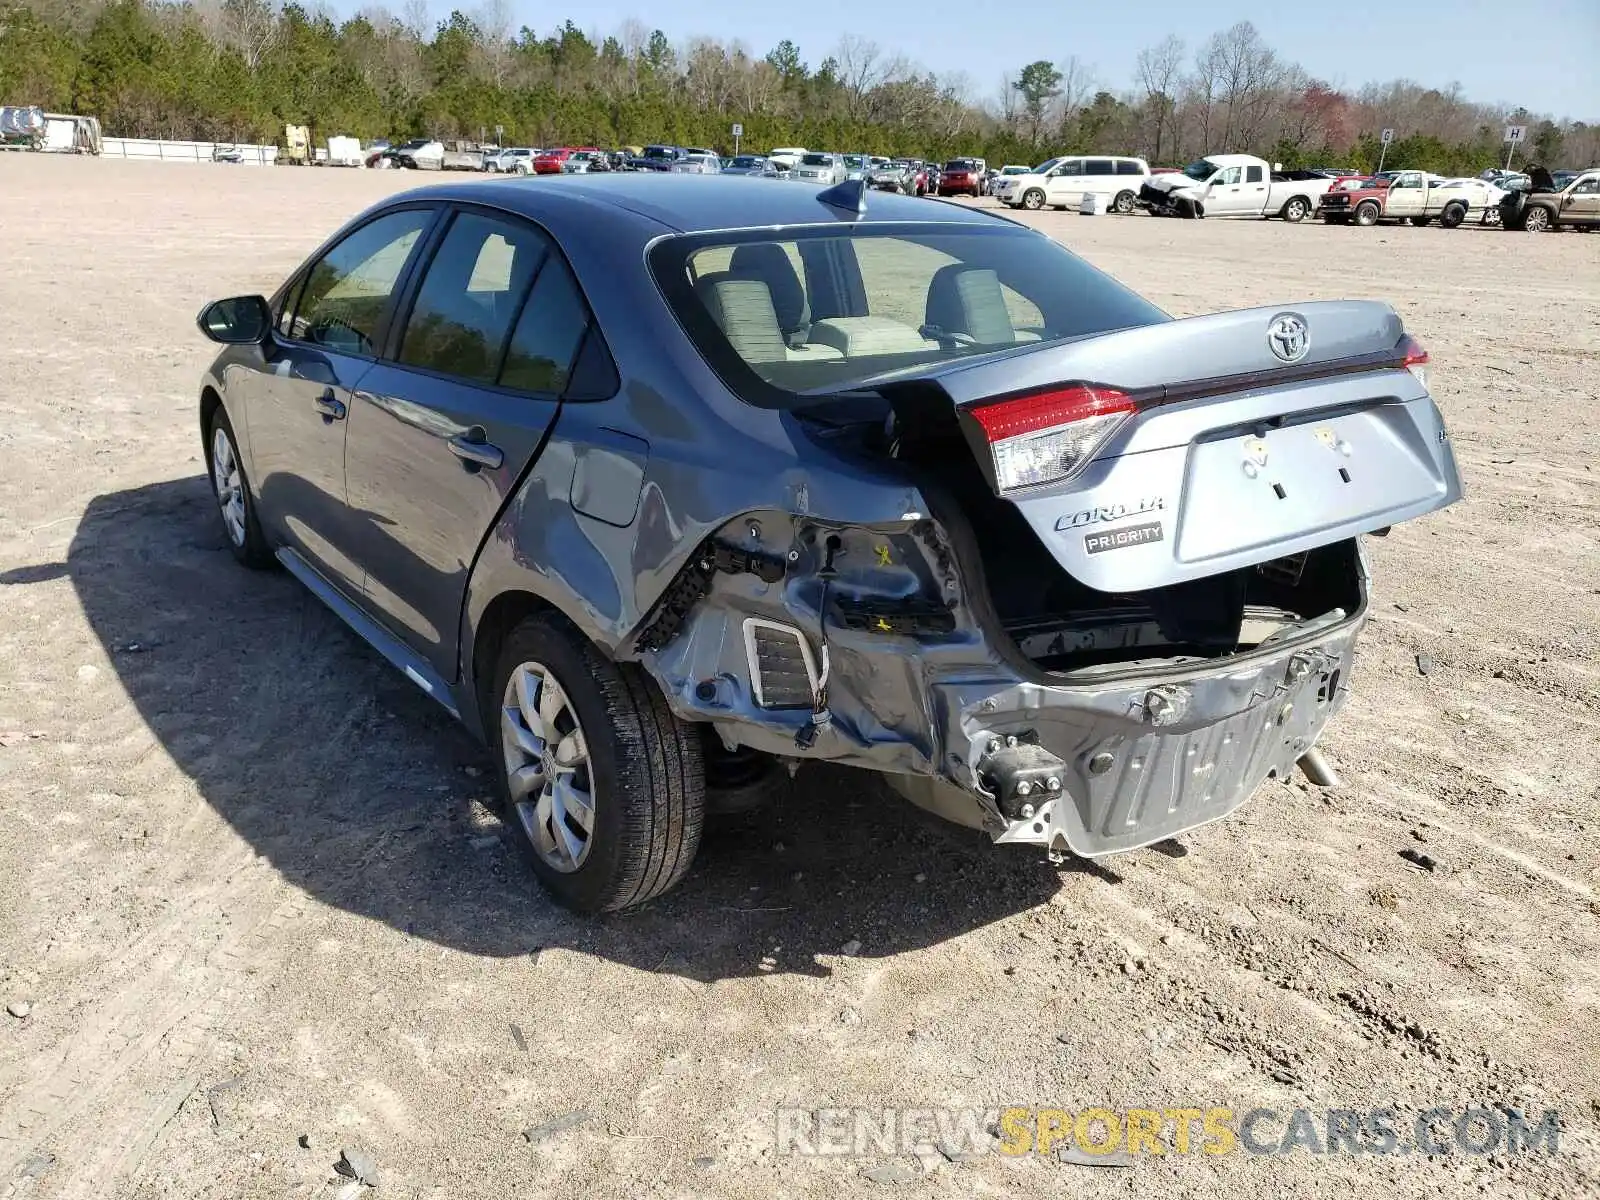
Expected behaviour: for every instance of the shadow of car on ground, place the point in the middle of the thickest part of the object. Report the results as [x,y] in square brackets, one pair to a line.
[359,790]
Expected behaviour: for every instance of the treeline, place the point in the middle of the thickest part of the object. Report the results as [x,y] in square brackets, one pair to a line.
[237,70]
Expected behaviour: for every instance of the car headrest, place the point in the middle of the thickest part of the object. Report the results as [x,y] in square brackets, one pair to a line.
[963,299]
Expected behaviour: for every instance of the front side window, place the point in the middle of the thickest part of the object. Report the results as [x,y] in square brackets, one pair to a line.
[348,291]
[1230,176]
[470,296]
[771,317]
[1070,166]
[1587,187]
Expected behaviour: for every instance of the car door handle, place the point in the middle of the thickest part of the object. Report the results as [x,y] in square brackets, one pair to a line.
[476,453]
[330,406]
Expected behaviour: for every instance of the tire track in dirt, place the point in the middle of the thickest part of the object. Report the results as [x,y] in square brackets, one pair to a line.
[164,1005]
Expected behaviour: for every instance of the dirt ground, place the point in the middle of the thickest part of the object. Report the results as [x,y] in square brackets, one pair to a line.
[255,911]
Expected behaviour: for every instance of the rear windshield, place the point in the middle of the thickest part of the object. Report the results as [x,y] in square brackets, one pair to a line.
[659,152]
[816,311]
[745,160]
[960,164]
[818,160]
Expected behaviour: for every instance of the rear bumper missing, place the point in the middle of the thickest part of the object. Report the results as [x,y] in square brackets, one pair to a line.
[1101,760]
[1098,770]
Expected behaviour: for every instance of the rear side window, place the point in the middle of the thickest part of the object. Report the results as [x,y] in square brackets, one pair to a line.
[1126,166]
[347,292]
[1099,166]
[548,333]
[1252,175]
[470,297]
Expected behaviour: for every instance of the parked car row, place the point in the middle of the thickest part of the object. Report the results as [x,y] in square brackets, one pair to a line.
[1415,196]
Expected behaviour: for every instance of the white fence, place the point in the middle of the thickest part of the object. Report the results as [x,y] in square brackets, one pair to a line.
[154,150]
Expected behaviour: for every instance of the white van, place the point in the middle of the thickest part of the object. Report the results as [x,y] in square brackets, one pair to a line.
[1063,182]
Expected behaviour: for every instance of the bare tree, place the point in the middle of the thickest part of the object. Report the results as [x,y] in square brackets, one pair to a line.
[417,19]
[1160,71]
[1073,89]
[1008,101]
[250,27]
[862,67]
[493,19]
[1242,77]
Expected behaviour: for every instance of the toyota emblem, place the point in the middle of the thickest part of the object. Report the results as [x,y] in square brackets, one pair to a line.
[1288,337]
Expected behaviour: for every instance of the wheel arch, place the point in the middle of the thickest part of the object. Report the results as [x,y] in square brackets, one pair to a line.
[210,402]
[481,642]
[1306,200]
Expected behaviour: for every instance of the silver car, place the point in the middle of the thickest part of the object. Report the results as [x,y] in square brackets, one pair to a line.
[817,167]
[698,164]
[755,165]
[665,491]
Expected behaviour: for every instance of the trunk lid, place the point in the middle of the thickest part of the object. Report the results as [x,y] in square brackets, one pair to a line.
[1233,456]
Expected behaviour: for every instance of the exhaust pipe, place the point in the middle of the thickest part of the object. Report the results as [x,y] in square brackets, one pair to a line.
[1317,769]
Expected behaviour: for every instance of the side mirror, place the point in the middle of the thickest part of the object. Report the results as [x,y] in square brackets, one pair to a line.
[237,321]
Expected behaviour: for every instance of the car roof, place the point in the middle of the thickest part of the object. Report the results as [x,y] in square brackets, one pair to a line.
[696,203]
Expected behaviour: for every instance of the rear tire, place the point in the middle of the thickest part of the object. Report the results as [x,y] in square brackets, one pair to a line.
[1124,203]
[1297,210]
[642,768]
[1367,213]
[1452,216]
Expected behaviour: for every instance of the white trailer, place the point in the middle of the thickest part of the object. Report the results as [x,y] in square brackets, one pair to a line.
[345,152]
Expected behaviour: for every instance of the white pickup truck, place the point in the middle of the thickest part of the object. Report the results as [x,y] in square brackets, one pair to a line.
[1233,185]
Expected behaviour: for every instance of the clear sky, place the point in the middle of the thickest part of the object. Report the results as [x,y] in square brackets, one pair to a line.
[1543,54]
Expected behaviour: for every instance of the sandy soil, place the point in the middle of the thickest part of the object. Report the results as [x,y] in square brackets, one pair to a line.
[249,892]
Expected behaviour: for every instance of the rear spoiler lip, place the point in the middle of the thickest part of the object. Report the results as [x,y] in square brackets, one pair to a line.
[1221,385]
[1193,389]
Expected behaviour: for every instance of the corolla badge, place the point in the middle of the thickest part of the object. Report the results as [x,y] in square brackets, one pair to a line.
[1288,337]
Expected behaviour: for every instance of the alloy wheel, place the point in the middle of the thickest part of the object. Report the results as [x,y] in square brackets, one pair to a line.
[229,483]
[547,767]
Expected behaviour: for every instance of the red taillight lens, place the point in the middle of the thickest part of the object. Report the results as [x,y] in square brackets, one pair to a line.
[1414,358]
[1047,437]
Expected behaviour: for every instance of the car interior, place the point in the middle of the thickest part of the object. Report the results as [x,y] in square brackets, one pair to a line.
[767,312]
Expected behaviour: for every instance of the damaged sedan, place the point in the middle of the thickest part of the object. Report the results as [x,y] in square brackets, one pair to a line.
[666,486]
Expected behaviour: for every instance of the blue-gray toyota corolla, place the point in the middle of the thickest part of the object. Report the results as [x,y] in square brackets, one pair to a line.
[663,484]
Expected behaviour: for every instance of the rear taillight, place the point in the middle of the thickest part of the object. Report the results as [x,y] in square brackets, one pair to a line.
[1414,358]
[1047,437]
